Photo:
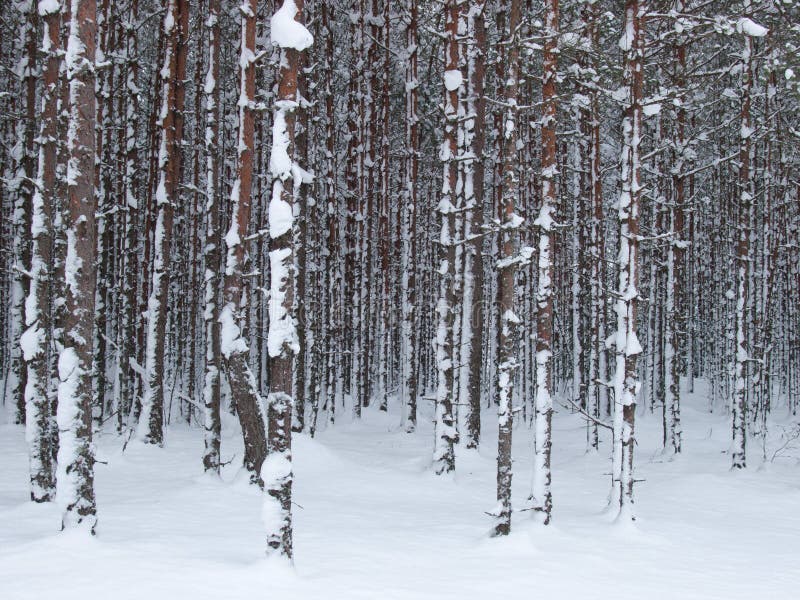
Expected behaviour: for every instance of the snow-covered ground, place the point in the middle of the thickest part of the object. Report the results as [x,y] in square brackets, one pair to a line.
[371,521]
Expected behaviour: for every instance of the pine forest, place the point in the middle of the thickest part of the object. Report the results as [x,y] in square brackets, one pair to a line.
[399,299]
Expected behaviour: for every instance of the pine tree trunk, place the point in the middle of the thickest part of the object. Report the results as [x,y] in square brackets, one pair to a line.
[233,344]
[151,418]
[473,313]
[541,495]
[445,427]
[510,221]
[75,478]
[283,343]
[41,431]
[739,404]
[411,173]
[627,347]
[213,363]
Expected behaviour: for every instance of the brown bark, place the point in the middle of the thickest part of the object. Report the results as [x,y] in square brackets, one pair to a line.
[76,456]
[506,266]
[244,393]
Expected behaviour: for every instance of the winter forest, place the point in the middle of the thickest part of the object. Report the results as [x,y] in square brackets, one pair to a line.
[419,299]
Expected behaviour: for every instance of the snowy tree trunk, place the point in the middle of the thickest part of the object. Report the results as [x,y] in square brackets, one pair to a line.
[676,305]
[411,174]
[627,347]
[472,309]
[292,37]
[75,477]
[384,203]
[333,258]
[127,351]
[41,432]
[541,496]
[233,344]
[445,429]
[151,427]
[510,221]
[24,189]
[213,362]
[743,258]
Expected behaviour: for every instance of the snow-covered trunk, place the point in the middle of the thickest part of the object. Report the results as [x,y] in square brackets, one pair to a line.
[127,349]
[541,496]
[213,362]
[510,221]
[233,343]
[151,427]
[289,33]
[408,268]
[597,391]
[301,245]
[384,235]
[472,165]
[23,186]
[194,335]
[75,476]
[354,182]
[445,429]
[497,188]
[741,354]
[333,339]
[102,93]
[626,343]
[676,298]
[40,430]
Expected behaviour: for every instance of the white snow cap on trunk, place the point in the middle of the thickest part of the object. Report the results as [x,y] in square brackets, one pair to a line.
[48,7]
[452,79]
[288,33]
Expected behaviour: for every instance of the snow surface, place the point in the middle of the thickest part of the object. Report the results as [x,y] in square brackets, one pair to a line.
[372,522]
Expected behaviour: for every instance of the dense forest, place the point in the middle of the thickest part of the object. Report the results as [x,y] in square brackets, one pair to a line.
[474,212]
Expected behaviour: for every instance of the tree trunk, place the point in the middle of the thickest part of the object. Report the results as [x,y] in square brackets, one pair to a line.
[75,479]
[283,343]
[541,495]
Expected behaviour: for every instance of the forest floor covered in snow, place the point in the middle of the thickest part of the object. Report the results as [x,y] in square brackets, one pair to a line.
[371,521]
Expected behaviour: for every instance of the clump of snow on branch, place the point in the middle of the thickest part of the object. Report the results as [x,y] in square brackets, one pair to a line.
[751,28]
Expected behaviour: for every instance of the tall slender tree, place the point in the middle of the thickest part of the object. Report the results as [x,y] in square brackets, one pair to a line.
[543,411]
[445,430]
[75,477]
[288,33]
[36,341]
[626,341]
[506,266]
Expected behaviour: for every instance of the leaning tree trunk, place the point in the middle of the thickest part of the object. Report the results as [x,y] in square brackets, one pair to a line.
[75,478]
